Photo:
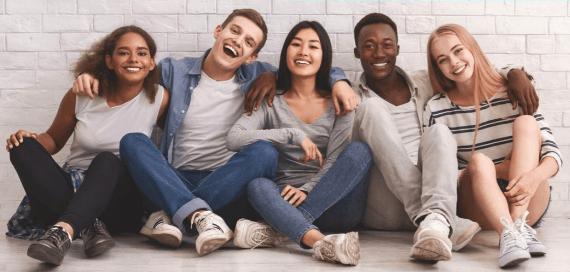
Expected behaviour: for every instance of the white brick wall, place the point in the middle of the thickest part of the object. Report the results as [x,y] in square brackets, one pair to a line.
[41,39]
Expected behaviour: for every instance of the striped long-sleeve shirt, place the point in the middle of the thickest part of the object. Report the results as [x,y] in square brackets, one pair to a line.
[495,135]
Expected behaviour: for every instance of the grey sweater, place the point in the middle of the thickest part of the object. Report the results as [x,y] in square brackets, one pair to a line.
[280,126]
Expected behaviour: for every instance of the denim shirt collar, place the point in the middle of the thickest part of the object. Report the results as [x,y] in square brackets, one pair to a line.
[197,67]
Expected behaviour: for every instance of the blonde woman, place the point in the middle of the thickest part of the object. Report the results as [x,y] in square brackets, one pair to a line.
[504,158]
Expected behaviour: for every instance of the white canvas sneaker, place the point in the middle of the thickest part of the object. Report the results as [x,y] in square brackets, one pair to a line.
[251,234]
[342,248]
[159,227]
[513,248]
[535,247]
[464,231]
[213,232]
[431,242]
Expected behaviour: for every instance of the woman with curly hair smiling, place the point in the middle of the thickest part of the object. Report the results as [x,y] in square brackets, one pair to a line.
[93,186]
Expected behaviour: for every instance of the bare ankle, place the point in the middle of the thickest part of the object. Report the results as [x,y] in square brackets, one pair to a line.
[67,228]
[311,237]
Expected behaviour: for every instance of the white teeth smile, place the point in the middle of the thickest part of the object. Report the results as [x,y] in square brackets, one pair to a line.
[302,62]
[380,64]
[134,69]
[231,49]
[460,69]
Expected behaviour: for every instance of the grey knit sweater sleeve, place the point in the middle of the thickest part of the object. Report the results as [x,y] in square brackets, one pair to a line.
[249,129]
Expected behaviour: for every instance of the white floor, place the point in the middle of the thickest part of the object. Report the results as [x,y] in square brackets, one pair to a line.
[380,251]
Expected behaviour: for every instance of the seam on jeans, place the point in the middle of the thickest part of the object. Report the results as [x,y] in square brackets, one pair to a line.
[307,214]
[345,192]
[180,178]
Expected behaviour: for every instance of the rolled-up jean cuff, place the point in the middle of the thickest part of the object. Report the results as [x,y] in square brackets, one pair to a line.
[302,233]
[306,214]
[188,208]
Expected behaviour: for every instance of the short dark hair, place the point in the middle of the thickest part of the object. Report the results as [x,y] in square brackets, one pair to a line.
[255,17]
[93,62]
[323,74]
[374,18]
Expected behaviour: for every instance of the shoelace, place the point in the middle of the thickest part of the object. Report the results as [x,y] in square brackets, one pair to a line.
[55,234]
[510,230]
[263,236]
[97,228]
[201,222]
[325,252]
[524,229]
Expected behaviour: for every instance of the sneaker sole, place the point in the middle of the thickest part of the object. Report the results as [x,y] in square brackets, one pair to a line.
[431,249]
[351,245]
[536,251]
[513,261]
[466,241]
[45,254]
[168,238]
[99,248]
[214,243]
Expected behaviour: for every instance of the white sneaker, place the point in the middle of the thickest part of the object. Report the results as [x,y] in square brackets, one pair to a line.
[513,248]
[431,242]
[213,232]
[464,231]
[342,248]
[535,247]
[251,234]
[159,227]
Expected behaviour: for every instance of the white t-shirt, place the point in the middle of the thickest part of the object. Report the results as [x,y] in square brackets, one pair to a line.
[407,121]
[100,127]
[200,141]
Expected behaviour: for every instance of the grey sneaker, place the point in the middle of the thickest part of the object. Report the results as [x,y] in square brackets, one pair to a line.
[513,248]
[464,231]
[535,247]
[213,232]
[342,248]
[431,242]
[159,227]
[251,234]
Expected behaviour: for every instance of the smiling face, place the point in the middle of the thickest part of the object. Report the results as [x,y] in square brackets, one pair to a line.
[131,59]
[236,43]
[304,53]
[377,50]
[454,60]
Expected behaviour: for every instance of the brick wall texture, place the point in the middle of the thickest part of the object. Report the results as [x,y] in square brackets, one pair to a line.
[41,39]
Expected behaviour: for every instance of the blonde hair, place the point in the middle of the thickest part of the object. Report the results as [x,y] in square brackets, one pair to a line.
[486,81]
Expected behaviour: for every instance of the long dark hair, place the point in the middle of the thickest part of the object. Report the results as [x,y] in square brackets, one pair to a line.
[323,74]
[93,62]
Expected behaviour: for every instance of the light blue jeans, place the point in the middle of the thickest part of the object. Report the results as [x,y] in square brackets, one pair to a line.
[180,193]
[335,204]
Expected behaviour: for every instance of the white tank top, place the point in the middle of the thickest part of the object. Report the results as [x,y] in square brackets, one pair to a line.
[100,127]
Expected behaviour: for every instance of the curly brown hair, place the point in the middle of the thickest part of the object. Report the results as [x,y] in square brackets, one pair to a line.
[93,62]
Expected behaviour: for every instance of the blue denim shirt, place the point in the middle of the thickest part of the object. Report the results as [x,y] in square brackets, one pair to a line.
[180,77]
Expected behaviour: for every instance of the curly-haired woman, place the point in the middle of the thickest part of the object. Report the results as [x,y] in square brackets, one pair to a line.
[93,186]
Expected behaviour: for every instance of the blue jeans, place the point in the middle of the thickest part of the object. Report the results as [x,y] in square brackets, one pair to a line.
[336,203]
[180,193]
